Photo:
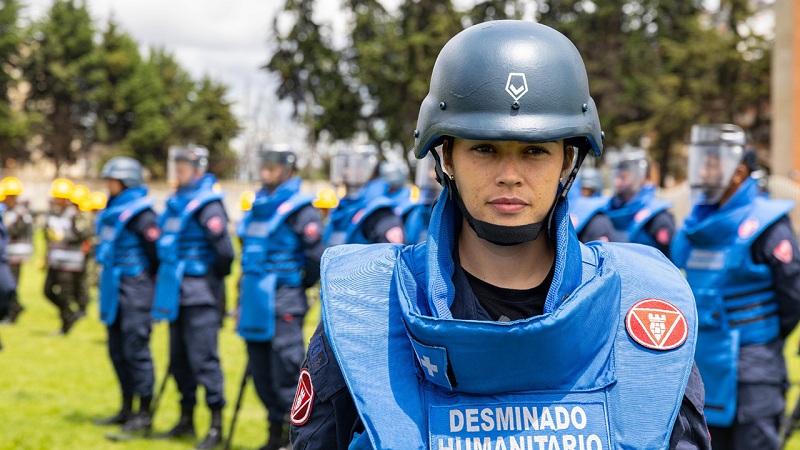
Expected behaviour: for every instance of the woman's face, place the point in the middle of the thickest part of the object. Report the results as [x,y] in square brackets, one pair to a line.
[507,183]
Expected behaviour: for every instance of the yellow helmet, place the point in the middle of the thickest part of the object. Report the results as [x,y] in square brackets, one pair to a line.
[97,201]
[12,186]
[61,188]
[246,200]
[326,199]
[79,194]
[2,192]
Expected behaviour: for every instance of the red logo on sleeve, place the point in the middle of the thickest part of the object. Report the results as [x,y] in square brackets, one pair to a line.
[303,399]
[783,251]
[214,224]
[395,235]
[152,233]
[311,231]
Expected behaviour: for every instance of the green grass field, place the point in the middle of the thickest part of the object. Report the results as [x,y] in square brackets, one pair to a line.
[51,387]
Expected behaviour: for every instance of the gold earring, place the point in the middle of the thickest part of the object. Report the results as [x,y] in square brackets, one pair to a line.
[452,178]
[560,178]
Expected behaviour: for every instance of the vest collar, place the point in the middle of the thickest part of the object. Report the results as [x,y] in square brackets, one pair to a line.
[266,203]
[127,196]
[621,213]
[571,339]
[711,225]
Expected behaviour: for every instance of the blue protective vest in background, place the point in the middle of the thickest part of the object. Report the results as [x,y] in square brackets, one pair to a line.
[416,220]
[347,220]
[183,248]
[119,250]
[632,216]
[736,299]
[583,209]
[272,256]
[570,378]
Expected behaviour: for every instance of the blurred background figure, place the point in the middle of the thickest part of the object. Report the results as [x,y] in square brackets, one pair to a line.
[8,284]
[366,214]
[634,209]
[128,231]
[587,208]
[195,255]
[67,234]
[19,222]
[416,215]
[742,262]
[281,251]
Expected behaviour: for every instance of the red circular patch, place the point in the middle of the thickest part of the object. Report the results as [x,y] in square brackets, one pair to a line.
[641,215]
[394,235]
[214,225]
[152,233]
[656,324]
[783,251]
[747,228]
[303,399]
[358,215]
[192,204]
[311,231]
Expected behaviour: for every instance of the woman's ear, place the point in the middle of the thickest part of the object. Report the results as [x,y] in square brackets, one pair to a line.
[569,155]
[447,156]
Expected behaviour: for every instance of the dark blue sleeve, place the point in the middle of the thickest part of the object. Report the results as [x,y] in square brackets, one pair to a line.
[384,227]
[661,228]
[777,247]
[600,228]
[334,416]
[307,224]
[145,226]
[690,431]
[214,220]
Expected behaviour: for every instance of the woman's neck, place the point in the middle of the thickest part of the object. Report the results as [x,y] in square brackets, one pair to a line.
[521,266]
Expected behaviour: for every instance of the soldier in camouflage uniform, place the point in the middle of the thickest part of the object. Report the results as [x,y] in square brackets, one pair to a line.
[68,234]
[19,221]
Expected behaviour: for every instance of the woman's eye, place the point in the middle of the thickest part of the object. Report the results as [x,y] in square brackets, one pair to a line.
[483,149]
[536,151]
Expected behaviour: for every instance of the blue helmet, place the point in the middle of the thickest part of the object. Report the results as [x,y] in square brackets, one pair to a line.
[196,155]
[509,80]
[127,170]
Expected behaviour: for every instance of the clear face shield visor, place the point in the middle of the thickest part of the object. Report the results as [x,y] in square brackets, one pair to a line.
[353,170]
[711,168]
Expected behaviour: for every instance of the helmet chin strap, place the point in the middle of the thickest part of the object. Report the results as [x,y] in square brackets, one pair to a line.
[508,235]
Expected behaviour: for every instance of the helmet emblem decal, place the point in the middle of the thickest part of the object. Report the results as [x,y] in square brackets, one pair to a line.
[517,85]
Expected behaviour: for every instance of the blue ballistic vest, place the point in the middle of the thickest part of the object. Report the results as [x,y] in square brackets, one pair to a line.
[119,251]
[583,209]
[736,299]
[347,220]
[631,217]
[570,378]
[272,256]
[183,248]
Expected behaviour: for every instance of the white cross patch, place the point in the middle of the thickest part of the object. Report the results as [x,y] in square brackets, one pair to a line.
[429,366]
[517,85]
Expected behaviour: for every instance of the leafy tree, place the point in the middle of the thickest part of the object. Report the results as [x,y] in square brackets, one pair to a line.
[13,126]
[59,70]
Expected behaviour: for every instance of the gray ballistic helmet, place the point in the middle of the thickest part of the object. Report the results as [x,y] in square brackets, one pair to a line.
[127,170]
[591,178]
[396,174]
[278,154]
[509,80]
[194,154]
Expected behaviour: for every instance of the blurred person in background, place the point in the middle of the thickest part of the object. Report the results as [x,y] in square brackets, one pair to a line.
[637,214]
[127,229]
[741,260]
[19,221]
[67,234]
[366,214]
[281,251]
[195,254]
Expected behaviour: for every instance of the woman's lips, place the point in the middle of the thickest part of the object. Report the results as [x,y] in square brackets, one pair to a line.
[505,205]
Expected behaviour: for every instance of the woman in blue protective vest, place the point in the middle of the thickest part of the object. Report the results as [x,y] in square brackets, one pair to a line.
[741,260]
[127,231]
[502,330]
[281,251]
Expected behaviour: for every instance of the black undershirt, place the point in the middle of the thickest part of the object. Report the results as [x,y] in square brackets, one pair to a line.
[503,304]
